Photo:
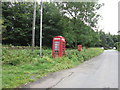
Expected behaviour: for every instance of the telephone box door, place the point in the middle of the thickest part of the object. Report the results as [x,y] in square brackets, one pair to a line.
[58,47]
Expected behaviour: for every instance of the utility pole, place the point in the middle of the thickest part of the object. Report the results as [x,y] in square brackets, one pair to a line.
[33,27]
[41,29]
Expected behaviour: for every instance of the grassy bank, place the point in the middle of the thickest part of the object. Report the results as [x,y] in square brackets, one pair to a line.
[21,66]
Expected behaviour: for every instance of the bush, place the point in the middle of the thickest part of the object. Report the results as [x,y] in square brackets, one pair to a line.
[23,64]
[17,57]
[117,45]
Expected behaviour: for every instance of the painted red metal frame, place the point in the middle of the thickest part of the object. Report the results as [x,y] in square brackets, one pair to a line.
[61,41]
[79,47]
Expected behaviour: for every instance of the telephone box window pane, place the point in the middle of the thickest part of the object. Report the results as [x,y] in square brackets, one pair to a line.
[63,48]
[56,47]
[56,42]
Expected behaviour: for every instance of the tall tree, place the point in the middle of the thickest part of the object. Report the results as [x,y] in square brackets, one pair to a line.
[18,22]
[77,29]
[51,23]
[81,14]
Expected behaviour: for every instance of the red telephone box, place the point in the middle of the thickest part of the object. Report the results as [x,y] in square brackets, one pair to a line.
[79,47]
[58,46]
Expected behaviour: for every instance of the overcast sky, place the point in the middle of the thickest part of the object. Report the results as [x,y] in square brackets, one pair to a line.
[109,12]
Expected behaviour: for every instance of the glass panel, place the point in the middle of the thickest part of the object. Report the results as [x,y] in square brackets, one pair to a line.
[63,48]
[56,47]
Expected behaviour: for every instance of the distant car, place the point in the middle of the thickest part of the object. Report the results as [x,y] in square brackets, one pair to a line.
[102,47]
[110,47]
[114,48]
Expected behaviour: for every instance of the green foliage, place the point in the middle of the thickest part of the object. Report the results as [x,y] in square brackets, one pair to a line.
[82,11]
[76,28]
[117,45]
[1,24]
[107,40]
[116,39]
[83,18]
[21,66]
[74,21]
[18,21]
[51,23]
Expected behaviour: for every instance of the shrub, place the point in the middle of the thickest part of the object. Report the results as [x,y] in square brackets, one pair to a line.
[117,45]
[23,64]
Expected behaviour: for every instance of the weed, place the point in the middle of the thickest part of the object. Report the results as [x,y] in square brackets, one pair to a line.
[21,66]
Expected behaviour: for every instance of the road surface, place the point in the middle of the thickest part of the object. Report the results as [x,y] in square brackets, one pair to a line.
[98,72]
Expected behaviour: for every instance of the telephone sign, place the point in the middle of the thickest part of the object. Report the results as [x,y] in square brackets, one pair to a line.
[58,46]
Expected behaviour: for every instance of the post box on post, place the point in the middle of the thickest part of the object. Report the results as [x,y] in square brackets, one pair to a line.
[79,47]
[58,46]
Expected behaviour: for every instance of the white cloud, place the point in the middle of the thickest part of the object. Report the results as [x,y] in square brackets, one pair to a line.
[109,12]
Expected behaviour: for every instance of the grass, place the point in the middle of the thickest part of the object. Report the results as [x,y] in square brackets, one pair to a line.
[21,66]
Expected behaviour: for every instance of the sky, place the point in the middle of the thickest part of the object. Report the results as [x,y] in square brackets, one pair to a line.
[109,13]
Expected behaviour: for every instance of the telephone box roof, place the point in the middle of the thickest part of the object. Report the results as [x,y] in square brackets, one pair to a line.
[62,38]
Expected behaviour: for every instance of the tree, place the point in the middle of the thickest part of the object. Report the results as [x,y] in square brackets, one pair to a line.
[107,40]
[51,23]
[81,14]
[18,22]
[56,22]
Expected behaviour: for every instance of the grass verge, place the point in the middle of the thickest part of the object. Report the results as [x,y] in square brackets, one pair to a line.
[22,66]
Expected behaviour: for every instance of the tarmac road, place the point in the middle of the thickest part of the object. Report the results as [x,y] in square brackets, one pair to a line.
[98,72]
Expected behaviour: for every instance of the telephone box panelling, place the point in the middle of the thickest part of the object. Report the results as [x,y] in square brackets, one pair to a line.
[58,46]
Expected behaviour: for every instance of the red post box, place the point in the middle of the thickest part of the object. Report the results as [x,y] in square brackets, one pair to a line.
[79,47]
[58,46]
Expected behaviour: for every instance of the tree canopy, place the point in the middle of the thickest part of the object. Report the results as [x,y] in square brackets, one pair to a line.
[76,21]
